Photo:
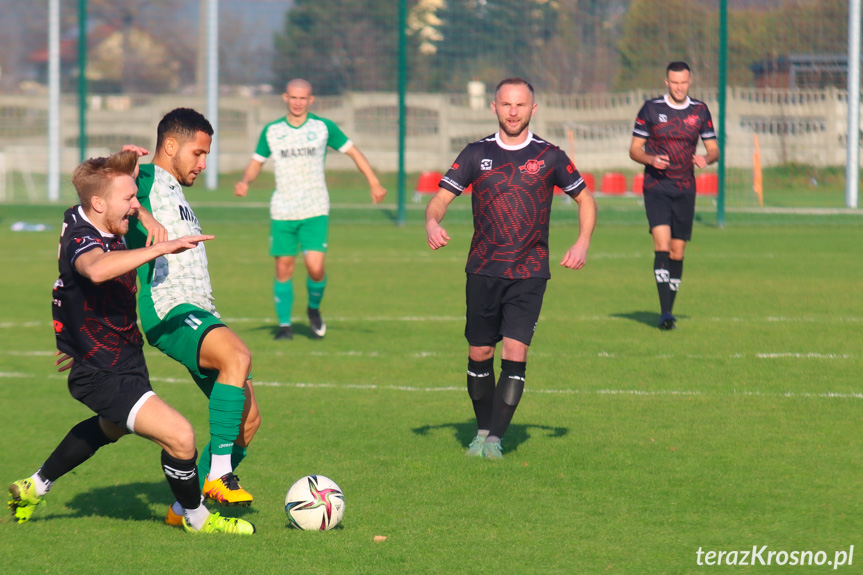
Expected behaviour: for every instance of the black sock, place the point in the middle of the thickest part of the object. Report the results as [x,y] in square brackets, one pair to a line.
[182,476]
[675,272]
[78,446]
[661,261]
[480,387]
[507,394]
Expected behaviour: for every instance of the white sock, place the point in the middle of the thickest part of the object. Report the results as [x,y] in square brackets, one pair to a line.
[219,465]
[43,486]
[197,517]
[177,508]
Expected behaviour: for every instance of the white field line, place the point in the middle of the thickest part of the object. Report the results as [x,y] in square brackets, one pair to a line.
[460,318]
[539,353]
[460,389]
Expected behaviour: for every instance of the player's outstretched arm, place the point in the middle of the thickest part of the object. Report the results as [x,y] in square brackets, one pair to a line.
[576,256]
[435,211]
[253,170]
[377,190]
[99,266]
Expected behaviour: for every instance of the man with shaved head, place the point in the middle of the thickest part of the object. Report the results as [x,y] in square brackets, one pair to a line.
[300,205]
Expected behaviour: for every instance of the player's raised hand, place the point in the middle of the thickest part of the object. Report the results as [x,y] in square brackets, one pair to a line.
[241,189]
[378,193]
[156,232]
[436,235]
[185,243]
[575,257]
[141,151]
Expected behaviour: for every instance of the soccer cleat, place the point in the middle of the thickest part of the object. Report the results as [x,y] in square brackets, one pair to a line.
[285,332]
[227,491]
[492,450]
[172,518]
[316,324]
[218,524]
[667,322]
[475,447]
[23,500]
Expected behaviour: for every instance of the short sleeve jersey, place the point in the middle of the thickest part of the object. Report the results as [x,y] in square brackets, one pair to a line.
[298,155]
[673,130]
[94,324]
[172,279]
[512,191]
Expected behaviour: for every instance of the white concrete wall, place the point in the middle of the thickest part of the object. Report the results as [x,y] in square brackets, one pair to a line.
[805,127]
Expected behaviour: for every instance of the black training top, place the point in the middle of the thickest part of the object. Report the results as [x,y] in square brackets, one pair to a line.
[95,324]
[673,130]
[512,188]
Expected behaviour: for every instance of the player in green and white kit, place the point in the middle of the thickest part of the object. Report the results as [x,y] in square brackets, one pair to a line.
[300,205]
[177,308]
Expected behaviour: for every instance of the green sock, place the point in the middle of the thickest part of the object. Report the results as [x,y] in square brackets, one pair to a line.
[283,295]
[316,291]
[237,455]
[204,464]
[226,411]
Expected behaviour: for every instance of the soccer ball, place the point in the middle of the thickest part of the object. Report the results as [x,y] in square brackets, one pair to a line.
[314,503]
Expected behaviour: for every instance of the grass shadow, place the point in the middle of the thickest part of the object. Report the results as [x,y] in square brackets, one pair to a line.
[517,433]
[646,317]
[131,501]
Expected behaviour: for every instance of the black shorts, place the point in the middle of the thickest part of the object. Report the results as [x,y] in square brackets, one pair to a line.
[499,308]
[671,209]
[115,394]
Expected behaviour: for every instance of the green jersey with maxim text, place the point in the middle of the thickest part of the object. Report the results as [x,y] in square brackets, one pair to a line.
[172,279]
[298,155]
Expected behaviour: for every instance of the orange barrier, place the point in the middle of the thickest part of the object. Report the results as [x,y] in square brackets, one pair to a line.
[613,183]
[589,181]
[707,184]
[638,184]
[428,183]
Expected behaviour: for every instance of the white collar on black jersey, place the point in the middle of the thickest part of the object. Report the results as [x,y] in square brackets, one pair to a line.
[516,147]
[671,104]
[86,219]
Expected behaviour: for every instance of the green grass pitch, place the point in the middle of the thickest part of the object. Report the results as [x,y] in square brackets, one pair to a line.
[632,448]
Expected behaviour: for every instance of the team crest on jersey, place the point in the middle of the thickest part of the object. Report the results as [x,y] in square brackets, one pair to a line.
[485,164]
[691,120]
[532,166]
[663,118]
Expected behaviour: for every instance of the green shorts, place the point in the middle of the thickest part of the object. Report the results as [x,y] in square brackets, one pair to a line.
[286,235]
[179,336]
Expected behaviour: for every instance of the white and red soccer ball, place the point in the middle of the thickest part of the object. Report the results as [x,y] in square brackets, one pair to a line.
[314,503]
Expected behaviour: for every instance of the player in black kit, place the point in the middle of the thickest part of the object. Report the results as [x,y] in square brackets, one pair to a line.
[513,174]
[664,139]
[96,327]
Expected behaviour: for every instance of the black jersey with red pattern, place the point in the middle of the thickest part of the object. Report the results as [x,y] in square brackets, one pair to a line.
[673,130]
[512,191]
[96,325]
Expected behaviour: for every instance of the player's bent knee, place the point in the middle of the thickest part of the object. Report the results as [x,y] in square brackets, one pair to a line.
[511,389]
[181,443]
